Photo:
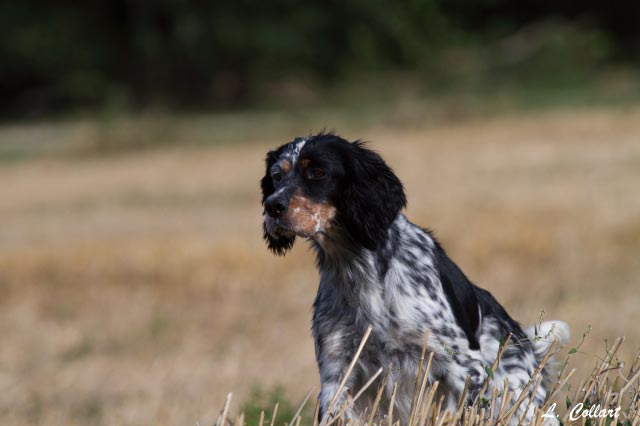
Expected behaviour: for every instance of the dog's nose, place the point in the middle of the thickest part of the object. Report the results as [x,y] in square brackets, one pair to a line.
[276,207]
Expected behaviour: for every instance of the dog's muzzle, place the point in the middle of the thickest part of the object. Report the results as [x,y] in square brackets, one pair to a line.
[277,228]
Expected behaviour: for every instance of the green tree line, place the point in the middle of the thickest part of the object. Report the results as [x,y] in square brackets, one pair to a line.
[62,54]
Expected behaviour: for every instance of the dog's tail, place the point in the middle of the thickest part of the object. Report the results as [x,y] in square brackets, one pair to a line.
[542,336]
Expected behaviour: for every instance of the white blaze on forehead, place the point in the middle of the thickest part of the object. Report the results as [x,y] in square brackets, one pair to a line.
[294,150]
[300,145]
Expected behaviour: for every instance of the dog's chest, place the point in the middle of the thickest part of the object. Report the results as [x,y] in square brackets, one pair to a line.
[399,308]
[401,301]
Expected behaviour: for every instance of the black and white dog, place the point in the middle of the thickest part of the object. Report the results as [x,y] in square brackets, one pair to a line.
[377,268]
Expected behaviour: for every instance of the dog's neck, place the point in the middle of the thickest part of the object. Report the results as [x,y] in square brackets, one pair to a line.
[349,266]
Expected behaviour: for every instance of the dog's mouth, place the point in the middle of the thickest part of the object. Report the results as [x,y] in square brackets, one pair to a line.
[277,228]
[282,228]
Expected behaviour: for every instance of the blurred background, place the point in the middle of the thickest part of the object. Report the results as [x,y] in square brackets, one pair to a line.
[134,284]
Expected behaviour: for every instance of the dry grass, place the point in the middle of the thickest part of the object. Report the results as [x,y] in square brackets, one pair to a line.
[135,289]
[610,394]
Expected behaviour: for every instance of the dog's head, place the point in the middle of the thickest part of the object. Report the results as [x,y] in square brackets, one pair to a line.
[322,184]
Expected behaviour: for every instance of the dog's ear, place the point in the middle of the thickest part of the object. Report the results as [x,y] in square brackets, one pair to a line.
[266,183]
[277,244]
[372,198]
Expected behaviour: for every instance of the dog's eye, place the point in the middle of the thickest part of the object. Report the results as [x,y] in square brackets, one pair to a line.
[316,174]
[276,174]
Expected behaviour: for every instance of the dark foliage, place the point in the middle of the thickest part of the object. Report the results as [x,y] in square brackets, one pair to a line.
[61,54]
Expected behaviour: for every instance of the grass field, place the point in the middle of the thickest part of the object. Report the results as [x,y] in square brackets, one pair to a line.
[135,288]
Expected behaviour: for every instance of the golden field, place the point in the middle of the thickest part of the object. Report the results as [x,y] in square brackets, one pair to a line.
[135,288]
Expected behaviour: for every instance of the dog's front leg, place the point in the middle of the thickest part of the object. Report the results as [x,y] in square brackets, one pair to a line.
[327,393]
[334,352]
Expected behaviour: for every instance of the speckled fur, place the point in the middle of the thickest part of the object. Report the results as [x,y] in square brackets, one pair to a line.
[401,282]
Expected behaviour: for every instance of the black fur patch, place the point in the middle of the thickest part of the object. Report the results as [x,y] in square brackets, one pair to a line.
[372,197]
[461,296]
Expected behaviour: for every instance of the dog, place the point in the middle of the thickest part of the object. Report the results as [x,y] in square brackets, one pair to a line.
[377,268]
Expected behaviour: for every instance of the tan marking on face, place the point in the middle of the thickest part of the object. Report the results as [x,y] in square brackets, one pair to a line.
[307,217]
[285,165]
[304,163]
